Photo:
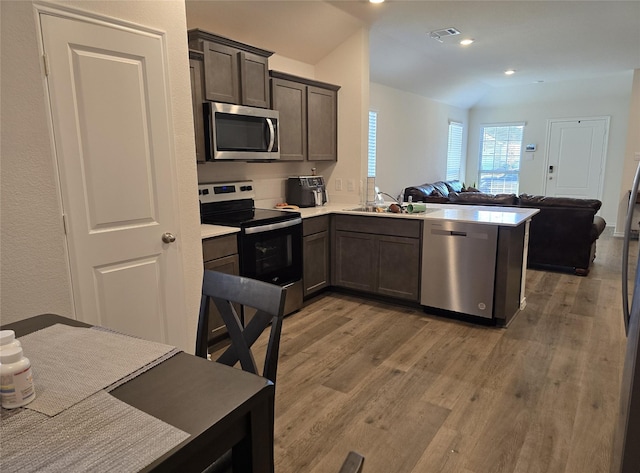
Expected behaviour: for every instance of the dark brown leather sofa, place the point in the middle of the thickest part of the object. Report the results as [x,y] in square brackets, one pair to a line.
[562,235]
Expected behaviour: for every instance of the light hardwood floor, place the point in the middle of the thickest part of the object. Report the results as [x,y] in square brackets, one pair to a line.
[423,394]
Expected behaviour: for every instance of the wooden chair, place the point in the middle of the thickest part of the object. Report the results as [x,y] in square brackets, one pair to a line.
[226,289]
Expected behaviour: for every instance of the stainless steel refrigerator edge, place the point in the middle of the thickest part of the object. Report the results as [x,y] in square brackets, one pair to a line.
[626,446]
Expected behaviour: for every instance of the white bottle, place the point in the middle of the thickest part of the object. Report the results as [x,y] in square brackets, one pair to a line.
[16,379]
[8,339]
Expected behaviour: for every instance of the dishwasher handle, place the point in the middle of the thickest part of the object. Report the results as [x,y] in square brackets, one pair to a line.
[448,232]
[458,233]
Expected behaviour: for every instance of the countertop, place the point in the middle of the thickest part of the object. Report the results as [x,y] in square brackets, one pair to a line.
[491,215]
[211,231]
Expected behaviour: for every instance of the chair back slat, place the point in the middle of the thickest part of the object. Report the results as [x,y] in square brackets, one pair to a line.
[269,300]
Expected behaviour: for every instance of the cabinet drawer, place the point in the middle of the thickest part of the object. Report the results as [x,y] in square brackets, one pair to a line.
[315,225]
[219,247]
[391,226]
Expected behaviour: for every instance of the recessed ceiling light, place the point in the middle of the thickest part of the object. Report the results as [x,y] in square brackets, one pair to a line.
[466,42]
[376,1]
[510,72]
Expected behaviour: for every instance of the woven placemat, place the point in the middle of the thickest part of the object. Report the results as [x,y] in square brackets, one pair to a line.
[71,363]
[100,433]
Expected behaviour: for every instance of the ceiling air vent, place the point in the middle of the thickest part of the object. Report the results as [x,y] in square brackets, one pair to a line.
[443,33]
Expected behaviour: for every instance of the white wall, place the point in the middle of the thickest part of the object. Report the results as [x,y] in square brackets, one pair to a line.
[632,149]
[412,138]
[34,266]
[542,102]
[33,270]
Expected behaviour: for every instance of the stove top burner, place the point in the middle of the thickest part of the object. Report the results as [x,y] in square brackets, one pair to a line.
[246,218]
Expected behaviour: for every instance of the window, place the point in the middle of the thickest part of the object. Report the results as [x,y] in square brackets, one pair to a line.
[454,151]
[373,129]
[500,153]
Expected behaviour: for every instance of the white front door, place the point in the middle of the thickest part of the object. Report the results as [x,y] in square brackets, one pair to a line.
[576,156]
[109,105]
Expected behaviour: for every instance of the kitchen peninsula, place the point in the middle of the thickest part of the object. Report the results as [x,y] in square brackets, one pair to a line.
[399,255]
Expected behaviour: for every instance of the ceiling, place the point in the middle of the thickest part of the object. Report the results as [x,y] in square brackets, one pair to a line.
[549,41]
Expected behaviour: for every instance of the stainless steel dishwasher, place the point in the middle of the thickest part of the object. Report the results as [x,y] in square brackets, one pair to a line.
[458,267]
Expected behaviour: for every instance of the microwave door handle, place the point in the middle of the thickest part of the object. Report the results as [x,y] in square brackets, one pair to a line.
[625,249]
[272,134]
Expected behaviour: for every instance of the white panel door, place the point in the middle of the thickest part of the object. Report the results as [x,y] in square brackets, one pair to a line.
[576,157]
[109,104]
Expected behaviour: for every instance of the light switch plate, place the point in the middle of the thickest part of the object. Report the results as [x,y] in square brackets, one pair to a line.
[636,156]
[338,184]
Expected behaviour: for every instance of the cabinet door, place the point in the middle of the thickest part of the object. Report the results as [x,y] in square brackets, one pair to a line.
[322,124]
[398,267]
[229,265]
[254,76]
[353,261]
[221,73]
[197,98]
[315,251]
[289,98]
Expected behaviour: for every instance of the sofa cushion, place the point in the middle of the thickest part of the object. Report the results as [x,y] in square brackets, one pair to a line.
[544,201]
[480,198]
[421,193]
[454,186]
[441,188]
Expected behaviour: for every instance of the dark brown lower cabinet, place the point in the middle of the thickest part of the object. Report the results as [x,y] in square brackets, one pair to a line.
[373,256]
[220,254]
[315,254]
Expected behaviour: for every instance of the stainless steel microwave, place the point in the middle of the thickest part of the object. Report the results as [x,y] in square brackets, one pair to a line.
[236,132]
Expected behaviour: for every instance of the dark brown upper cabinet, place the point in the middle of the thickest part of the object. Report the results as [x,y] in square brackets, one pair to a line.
[234,72]
[197,95]
[308,117]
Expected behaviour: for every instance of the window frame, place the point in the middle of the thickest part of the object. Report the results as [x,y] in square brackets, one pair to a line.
[510,172]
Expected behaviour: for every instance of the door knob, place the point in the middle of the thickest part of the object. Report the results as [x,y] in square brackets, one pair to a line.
[168,237]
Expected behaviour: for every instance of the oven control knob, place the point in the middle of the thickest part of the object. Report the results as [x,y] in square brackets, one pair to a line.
[168,237]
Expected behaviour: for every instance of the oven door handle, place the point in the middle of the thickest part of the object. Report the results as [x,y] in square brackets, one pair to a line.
[273,226]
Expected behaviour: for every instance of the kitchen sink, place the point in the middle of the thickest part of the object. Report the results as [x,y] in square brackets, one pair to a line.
[372,209]
[368,209]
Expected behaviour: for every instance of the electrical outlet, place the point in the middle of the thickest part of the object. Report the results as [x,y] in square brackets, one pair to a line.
[636,156]
[351,185]
[338,184]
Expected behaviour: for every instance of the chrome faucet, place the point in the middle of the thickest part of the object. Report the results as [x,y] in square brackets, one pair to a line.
[380,194]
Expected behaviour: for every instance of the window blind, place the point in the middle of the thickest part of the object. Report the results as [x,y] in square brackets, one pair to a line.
[454,151]
[373,130]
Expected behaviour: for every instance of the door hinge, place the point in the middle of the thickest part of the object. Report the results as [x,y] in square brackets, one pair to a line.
[45,59]
[64,223]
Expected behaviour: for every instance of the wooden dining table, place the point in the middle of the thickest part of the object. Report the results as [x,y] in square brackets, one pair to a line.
[220,407]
